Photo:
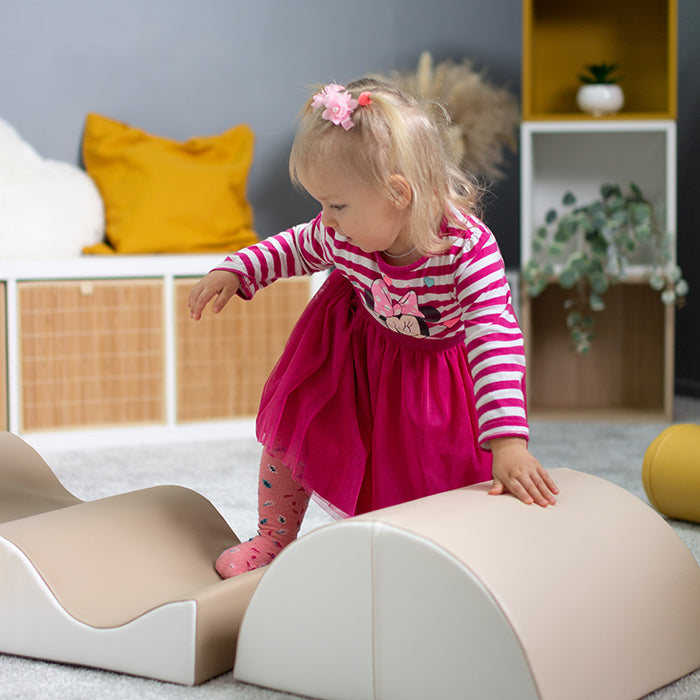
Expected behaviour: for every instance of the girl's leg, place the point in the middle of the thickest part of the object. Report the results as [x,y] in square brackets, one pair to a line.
[282,504]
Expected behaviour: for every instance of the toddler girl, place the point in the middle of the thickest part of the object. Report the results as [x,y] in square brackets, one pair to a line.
[404,377]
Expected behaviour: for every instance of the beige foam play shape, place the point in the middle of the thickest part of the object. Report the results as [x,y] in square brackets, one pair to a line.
[124,583]
[468,595]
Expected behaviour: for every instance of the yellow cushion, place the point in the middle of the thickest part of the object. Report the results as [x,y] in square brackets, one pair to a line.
[165,196]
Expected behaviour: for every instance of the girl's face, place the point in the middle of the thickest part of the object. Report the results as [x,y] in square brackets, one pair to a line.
[374,219]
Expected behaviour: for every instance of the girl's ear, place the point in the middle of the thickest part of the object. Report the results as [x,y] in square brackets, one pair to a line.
[400,191]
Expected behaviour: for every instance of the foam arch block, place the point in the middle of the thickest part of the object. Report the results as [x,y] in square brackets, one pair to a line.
[671,472]
[465,594]
[124,583]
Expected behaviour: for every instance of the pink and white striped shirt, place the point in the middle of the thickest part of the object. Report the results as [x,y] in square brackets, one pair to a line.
[462,293]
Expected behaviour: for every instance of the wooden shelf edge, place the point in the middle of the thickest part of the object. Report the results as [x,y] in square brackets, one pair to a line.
[582,116]
[597,415]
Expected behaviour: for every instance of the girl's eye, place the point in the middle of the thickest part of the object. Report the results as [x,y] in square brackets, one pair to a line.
[338,207]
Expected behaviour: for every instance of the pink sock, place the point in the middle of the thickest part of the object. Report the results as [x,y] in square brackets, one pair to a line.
[281,507]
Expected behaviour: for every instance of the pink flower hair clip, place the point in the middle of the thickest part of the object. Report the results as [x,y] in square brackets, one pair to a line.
[339,104]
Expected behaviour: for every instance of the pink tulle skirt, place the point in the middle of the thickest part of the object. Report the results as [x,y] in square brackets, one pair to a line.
[366,417]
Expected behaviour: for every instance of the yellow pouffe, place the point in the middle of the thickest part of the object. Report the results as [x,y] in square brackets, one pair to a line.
[671,472]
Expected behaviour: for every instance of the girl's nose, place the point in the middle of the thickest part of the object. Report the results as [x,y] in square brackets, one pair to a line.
[327,219]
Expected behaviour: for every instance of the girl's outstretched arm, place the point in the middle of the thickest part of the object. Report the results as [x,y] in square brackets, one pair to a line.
[221,284]
[515,470]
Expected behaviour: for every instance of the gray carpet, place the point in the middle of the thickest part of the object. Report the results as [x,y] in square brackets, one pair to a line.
[225,472]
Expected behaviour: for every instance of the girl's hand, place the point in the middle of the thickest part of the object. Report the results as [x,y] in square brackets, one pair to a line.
[221,284]
[517,471]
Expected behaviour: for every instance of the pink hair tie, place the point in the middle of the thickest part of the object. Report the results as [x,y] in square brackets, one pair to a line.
[338,104]
[364,99]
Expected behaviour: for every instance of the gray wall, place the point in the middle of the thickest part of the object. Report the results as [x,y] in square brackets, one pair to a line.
[184,67]
[181,68]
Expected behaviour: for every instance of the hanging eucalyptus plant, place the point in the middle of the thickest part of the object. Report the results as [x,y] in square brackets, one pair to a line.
[587,248]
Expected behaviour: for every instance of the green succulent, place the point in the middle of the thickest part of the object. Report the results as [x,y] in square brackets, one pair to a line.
[587,248]
[600,74]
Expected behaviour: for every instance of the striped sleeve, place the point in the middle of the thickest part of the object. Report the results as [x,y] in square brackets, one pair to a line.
[299,251]
[494,341]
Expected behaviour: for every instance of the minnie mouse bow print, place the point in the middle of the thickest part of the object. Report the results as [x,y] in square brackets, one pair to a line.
[408,304]
[404,316]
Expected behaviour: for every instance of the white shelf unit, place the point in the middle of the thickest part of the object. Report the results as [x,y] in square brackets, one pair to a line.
[580,156]
[170,272]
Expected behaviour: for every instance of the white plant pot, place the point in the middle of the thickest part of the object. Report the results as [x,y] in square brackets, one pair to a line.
[600,100]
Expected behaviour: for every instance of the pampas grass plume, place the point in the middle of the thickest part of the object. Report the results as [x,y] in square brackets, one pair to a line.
[484,117]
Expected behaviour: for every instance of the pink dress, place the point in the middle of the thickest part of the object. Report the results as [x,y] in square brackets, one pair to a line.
[394,379]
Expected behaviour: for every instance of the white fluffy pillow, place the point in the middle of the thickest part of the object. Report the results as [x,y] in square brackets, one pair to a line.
[48,209]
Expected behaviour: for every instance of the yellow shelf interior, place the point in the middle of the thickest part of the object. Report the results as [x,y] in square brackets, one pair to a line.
[561,38]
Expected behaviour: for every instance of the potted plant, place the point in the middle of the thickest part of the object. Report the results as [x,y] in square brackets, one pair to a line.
[600,94]
[587,248]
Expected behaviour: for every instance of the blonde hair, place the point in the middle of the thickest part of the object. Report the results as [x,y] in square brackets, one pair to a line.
[394,135]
